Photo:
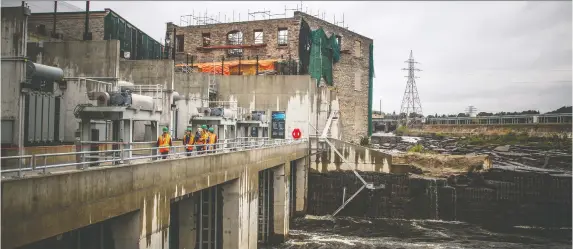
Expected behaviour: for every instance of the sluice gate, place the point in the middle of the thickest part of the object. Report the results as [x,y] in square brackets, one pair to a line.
[510,197]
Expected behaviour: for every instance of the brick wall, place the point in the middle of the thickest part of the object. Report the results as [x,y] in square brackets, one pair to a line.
[71,25]
[353,98]
[193,38]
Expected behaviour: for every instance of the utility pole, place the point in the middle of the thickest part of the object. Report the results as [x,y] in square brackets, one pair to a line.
[411,100]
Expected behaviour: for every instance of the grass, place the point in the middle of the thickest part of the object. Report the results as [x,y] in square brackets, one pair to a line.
[402,130]
[418,148]
[516,139]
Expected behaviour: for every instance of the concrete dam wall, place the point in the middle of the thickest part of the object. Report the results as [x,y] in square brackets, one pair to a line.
[495,197]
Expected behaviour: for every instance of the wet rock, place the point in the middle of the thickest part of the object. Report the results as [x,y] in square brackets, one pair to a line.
[504,148]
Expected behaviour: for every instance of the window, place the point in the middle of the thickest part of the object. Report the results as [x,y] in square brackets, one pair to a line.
[259,36]
[357,48]
[235,38]
[339,41]
[206,39]
[179,43]
[283,37]
[357,81]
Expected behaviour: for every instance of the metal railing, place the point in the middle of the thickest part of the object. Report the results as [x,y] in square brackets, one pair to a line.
[124,153]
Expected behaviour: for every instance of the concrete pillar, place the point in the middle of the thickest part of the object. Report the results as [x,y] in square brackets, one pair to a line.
[301,187]
[280,204]
[187,222]
[127,136]
[240,210]
[125,230]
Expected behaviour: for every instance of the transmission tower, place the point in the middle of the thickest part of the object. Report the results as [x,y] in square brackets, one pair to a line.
[471,111]
[411,100]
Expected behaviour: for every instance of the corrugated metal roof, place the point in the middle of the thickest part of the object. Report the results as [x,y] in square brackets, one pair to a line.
[43,6]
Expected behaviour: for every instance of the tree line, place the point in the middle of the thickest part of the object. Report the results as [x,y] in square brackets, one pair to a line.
[564,109]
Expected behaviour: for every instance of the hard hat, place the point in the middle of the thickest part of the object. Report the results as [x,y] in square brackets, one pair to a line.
[211,129]
[189,129]
[165,129]
[204,127]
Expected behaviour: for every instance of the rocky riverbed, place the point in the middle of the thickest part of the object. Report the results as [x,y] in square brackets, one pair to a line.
[534,155]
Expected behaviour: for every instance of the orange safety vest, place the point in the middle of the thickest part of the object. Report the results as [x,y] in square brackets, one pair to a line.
[164,143]
[202,139]
[191,141]
[212,139]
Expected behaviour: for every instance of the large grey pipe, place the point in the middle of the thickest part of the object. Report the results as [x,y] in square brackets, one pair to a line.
[47,72]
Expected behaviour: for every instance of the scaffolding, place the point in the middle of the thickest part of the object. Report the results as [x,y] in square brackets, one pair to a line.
[204,18]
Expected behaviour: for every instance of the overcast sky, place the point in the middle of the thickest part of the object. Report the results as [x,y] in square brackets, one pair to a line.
[496,56]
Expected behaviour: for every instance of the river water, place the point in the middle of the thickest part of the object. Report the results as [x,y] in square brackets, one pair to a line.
[323,232]
[347,232]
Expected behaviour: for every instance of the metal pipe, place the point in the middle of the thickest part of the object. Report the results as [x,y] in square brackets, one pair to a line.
[257,68]
[54,24]
[222,65]
[174,41]
[87,22]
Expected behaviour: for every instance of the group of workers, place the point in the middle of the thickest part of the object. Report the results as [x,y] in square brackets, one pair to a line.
[202,141]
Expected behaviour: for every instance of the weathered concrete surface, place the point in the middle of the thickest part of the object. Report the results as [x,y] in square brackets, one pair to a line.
[13,70]
[40,207]
[294,94]
[301,185]
[81,59]
[536,130]
[281,175]
[357,157]
[147,72]
[240,210]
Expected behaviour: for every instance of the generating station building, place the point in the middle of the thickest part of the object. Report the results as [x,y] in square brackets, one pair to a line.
[247,67]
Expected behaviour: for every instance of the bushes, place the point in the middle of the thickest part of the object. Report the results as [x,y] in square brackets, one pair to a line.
[364,141]
[416,148]
[402,130]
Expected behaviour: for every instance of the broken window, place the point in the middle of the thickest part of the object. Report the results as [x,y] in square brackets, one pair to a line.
[180,43]
[339,41]
[235,38]
[283,37]
[259,36]
[206,39]
[357,81]
[357,48]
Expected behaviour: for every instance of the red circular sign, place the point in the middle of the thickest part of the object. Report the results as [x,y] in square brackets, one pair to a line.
[296,133]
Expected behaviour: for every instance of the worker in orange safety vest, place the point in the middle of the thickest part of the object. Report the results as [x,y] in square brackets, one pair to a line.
[212,138]
[189,141]
[201,139]
[164,142]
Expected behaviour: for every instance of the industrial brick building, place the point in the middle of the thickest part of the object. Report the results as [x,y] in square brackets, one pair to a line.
[282,40]
[101,25]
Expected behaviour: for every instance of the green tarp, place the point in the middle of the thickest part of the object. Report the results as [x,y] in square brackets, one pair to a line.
[324,52]
[370,86]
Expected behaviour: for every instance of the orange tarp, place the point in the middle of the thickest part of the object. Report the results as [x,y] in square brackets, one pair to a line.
[248,67]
